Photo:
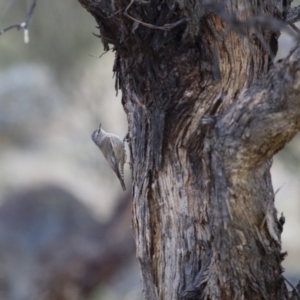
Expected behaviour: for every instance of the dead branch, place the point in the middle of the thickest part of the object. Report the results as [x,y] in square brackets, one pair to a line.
[23,25]
[293,15]
[166,27]
[292,286]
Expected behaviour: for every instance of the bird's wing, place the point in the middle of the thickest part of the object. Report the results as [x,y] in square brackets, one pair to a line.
[108,152]
[118,144]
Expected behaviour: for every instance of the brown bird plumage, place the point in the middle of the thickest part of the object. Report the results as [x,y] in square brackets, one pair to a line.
[113,150]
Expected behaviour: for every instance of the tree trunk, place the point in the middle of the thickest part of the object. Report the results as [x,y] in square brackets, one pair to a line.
[207,109]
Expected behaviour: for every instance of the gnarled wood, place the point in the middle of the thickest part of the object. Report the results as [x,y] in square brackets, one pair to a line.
[202,115]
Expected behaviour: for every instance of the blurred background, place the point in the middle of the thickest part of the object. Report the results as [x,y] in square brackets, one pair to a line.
[65,227]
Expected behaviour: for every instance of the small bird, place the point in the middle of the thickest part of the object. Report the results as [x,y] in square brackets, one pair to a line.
[113,150]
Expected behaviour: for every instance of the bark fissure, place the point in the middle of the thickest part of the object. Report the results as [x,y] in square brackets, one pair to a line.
[207,109]
[265,117]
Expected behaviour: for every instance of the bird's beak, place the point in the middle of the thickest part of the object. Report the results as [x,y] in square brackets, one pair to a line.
[99,128]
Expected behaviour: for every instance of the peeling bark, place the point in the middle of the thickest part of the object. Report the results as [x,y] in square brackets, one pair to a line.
[207,109]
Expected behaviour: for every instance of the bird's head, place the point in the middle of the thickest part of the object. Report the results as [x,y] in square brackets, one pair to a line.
[96,133]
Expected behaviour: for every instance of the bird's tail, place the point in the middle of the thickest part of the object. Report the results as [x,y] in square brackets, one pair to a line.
[120,175]
[122,184]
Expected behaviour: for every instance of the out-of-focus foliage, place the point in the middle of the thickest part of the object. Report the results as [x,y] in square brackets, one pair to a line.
[285,174]
[51,247]
[60,35]
[54,91]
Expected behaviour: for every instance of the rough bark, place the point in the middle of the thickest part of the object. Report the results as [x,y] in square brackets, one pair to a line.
[207,109]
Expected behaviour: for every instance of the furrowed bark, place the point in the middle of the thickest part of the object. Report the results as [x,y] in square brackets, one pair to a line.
[265,117]
[293,14]
[203,211]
